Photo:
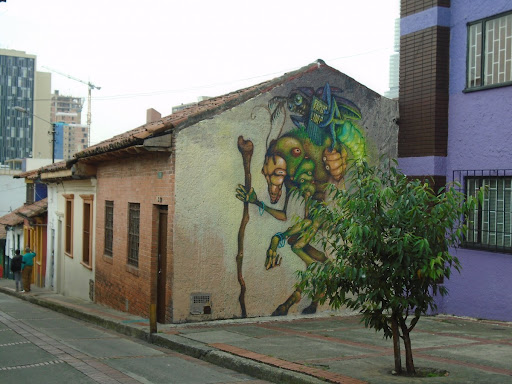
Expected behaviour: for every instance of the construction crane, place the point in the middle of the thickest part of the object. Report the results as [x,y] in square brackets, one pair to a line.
[90,86]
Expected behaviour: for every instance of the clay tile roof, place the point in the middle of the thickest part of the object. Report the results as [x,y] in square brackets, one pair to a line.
[191,115]
[17,216]
[34,174]
[3,232]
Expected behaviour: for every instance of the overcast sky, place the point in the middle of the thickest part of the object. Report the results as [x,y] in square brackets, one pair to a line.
[162,53]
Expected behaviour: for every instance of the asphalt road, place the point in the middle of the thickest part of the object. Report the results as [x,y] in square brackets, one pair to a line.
[43,346]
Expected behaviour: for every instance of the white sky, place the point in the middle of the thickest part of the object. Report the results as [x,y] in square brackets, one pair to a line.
[162,53]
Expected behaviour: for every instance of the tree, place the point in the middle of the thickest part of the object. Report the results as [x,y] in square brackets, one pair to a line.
[389,238]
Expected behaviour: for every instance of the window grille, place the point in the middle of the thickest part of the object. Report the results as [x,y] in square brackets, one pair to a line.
[490,222]
[133,234]
[109,228]
[490,52]
[87,233]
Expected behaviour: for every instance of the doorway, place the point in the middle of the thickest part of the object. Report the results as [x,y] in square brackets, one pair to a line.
[162,264]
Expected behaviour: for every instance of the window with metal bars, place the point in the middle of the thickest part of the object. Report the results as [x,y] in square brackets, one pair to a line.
[109,228]
[489,56]
[133,233]
[490,222]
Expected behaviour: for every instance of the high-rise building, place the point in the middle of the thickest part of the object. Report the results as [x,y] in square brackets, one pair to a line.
[72,136]
[23,134]
[394,64]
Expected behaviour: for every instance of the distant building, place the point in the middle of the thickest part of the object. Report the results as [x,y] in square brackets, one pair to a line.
[394,64]
[22,134]
[72,136]
[181,107]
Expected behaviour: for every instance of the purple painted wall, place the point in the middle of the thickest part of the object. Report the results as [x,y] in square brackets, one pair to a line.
[480,137]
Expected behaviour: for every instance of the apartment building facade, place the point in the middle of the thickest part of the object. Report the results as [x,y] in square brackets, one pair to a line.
[455,120]
[23,135]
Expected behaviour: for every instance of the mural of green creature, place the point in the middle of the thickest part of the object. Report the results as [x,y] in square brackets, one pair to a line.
[304,160]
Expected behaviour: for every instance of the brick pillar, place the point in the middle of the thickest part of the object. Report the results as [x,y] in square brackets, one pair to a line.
[423,95]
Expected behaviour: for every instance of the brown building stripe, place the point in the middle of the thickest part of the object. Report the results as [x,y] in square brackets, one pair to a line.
[423,95]
[409,7]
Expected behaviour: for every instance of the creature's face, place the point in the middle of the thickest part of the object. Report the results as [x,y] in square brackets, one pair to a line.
[298,104]
[274,170]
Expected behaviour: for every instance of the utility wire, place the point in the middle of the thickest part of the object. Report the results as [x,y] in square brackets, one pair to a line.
[199,87]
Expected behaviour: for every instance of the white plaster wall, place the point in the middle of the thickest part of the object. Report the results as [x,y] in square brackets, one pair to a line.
[71,276]
[52,226]
[208,215]
[12,193]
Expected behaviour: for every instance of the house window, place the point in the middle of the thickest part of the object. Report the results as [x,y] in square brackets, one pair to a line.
[133,234]
[109,227]
[68,236]
[490,52]
[30,193]
[87,230]
[490,223]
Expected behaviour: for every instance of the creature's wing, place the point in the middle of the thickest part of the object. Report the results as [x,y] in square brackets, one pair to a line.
[297,120]
[306,91]
[347,108]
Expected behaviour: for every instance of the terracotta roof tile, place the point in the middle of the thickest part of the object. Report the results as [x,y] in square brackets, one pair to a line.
[17,216]
[34,174]
[191,115]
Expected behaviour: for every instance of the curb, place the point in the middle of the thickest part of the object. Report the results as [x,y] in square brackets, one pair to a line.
[182,345]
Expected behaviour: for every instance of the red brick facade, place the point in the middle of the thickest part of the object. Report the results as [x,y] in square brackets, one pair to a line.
[147,179]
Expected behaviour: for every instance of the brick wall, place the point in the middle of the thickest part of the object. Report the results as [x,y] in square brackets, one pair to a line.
[147,179]
[409,7]
[423,95]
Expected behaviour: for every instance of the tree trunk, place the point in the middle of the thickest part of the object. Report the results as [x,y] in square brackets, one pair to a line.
[396,344]
[409,363]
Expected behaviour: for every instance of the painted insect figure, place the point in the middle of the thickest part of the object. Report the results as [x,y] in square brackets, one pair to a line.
[304,160]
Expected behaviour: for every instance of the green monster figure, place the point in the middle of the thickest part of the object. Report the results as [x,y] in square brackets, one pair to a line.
[306,164]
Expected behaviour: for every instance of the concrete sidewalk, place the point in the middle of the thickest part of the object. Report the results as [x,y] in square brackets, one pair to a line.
[313,349]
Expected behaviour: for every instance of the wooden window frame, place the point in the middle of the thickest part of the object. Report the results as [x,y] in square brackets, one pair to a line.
[68,224]
[87,229]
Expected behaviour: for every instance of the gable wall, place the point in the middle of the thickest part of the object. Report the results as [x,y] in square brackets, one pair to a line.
[208,215]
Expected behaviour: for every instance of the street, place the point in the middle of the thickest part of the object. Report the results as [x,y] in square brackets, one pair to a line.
[40,345]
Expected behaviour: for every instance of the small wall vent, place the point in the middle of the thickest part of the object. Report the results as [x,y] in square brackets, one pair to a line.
[200,304]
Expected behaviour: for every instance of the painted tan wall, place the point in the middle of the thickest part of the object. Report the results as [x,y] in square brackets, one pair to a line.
[208,215]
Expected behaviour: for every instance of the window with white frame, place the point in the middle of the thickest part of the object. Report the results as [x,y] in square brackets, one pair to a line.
[490,222]
[490,52]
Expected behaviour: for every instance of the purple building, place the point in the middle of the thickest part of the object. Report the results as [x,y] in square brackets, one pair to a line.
[456,124]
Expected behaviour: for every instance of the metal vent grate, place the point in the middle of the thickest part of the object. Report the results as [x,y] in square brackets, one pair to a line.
[200,303]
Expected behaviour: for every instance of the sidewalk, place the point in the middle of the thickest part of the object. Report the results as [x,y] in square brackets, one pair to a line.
[313,349]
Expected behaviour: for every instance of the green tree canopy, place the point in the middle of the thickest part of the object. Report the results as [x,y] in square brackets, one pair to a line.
[389,238]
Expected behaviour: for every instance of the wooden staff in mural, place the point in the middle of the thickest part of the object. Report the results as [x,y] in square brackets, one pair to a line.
[304,160]
[246,148]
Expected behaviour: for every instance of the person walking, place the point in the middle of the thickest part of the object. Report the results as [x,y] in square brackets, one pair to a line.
[26,269]
[16,269]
